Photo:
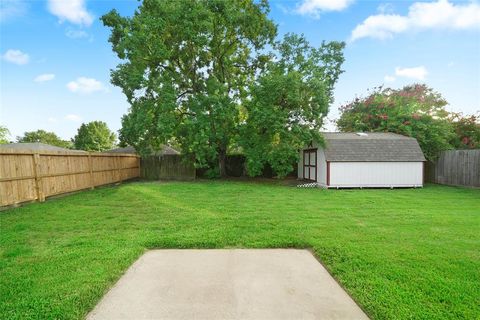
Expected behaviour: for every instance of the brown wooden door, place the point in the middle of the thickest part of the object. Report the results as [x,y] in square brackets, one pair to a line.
[310,164]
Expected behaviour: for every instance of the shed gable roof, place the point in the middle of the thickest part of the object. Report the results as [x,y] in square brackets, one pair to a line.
[375,146]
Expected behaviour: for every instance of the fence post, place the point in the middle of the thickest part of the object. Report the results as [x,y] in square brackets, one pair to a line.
[139,166]
[90,166]
[119,172]
[38,181]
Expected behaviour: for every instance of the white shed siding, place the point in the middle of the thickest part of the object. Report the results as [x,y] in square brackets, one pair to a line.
[321,167]
[376,174]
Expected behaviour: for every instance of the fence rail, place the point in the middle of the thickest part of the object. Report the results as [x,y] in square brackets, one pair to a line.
[456,167]
[28,175]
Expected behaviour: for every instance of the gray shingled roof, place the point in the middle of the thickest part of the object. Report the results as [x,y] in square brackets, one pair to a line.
[129,149]
[375,146]
[36,146]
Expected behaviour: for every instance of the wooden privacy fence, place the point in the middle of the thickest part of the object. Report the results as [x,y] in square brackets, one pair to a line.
[27,175]
[456,167]
[167,167]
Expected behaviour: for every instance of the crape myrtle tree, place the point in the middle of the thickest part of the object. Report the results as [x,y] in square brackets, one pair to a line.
[467,130]
[188,69]
[415,110]
[94,136]
[288,103]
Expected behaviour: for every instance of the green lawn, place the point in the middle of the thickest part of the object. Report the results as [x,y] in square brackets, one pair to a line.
[411,253]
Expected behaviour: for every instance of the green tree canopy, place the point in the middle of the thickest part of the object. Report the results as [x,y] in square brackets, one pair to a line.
[188,69]
[187,65]
[44,137]
[94,136]
[4,133]
[289,101]
[415,110]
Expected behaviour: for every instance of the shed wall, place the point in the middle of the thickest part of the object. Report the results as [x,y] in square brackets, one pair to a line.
[321,165]
[376,174]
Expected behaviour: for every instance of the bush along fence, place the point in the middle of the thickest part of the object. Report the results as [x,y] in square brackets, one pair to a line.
[455,167]
[35,175]
[236,167]
[167,167]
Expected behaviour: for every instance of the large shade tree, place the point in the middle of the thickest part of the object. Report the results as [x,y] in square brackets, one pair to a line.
[188,69]
[289,101]
[185,71]
[44,137]
[94,136]
[414,110]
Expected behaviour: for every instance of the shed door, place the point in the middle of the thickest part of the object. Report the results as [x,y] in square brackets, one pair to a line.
[310,164]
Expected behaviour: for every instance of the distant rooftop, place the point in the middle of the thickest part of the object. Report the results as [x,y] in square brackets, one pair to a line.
[371,147]
[37,146]
[129,149]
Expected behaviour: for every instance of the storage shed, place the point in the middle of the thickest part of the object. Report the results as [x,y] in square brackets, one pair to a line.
[363,160]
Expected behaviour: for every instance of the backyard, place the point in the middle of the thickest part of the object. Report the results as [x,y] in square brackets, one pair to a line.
[411,253]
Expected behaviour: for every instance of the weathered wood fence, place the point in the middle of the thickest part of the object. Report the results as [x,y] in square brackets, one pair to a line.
[455,167]
[35,175]
[166,167]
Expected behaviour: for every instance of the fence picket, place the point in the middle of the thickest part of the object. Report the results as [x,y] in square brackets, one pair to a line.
[456,167]
[27,175]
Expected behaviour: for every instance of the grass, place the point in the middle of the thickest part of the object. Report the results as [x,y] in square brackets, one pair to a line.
[401,254]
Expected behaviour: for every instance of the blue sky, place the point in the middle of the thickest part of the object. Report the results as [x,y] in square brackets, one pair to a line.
[56,60]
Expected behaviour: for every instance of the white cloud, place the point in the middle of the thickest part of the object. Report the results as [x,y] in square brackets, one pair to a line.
[73,117]
[380,26]
[52,120]
[85,85]
[443,14]
[418,73]
[76,34]
[388,78]
[421,16]
[44,77]
[16,56]
[73,11]
[315,7]
[11,9]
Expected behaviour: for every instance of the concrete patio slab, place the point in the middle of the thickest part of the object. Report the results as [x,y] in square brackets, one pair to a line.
[227,284]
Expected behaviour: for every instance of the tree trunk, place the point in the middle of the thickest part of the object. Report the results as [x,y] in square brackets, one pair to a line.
[222,156]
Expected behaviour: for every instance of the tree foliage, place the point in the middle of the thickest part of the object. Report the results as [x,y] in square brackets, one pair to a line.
[4,133]
[415,110]
[187,65]
[289,101]
[467,131]
[46,137]
[94,136]
[188,71]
